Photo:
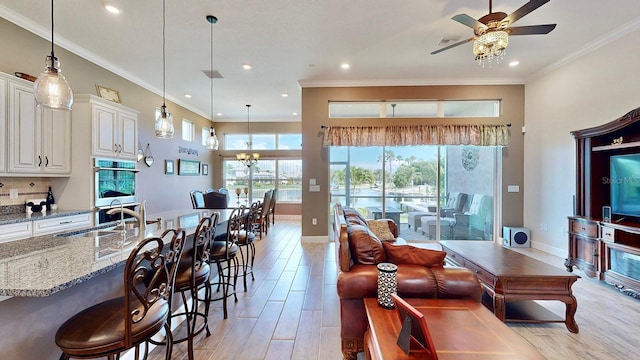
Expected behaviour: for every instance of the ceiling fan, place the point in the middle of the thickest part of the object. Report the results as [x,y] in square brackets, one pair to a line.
[492,31]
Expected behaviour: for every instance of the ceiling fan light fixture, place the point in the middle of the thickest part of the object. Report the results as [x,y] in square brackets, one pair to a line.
[490,45]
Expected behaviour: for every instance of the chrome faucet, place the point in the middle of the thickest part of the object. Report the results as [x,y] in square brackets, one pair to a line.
[113,211]
[139,216]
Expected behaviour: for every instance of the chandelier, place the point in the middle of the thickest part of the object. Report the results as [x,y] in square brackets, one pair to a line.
[248,158]
[490,45]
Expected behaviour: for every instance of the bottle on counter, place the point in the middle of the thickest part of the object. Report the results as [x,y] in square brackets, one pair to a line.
[50,200]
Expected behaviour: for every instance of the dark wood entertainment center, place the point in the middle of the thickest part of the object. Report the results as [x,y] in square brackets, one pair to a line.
[606,249]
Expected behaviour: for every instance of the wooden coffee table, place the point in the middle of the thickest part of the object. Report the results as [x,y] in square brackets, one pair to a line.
[460,329]
[512,280]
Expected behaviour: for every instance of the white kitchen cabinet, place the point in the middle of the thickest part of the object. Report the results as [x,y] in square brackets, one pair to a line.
[114,128]
[39,139]
[16,231]
[60,224]
[3,124]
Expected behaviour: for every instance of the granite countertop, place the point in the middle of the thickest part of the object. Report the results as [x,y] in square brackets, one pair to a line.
[24,217]
[43,265]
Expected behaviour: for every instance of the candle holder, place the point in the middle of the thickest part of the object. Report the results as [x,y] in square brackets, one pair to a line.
[246,196]
[238,192]
[387,284]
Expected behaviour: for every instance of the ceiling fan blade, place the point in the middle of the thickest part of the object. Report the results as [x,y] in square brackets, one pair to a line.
[531,30]
[465,19]
[524,10]
[452,45]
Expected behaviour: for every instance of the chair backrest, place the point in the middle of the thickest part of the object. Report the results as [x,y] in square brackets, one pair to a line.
[253,216]
[236,224]
[197,199]
[274,196]
[149,276]
[226,193]
[264,205]
[198,254]
[215,200]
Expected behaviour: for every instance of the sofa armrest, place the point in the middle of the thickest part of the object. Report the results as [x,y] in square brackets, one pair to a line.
[462,219]
[457,283]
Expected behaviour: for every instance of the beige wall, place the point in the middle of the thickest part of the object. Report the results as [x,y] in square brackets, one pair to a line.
[594,89]
[316,162]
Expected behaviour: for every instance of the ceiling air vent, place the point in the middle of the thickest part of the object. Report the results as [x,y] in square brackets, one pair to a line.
[215,74]
[448,40]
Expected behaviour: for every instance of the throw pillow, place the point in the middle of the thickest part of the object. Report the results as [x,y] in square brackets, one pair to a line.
[366,248]
[381,229]
[407,254]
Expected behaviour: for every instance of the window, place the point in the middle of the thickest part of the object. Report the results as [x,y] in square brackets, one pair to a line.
[284,174]
[263,141]
[289,142]
[205,135]
[409,181]
[188,130]
[415,109]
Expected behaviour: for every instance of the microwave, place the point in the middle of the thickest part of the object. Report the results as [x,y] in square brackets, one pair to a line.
[115,182]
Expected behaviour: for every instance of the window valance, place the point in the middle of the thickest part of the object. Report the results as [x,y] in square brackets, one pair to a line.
[399,135]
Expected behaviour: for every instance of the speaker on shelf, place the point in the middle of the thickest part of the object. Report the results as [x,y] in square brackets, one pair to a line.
[516,236]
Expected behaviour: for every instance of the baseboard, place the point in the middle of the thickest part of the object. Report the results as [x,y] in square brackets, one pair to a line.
[314,239]
[562,253]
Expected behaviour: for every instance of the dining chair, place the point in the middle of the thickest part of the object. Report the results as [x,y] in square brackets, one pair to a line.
[114,326]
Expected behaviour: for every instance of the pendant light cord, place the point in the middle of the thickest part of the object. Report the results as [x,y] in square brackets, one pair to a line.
[211,21]
[163,52]
[52,56]
[250,142]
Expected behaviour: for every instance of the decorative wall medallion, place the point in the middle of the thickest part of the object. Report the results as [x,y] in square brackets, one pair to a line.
[470,157]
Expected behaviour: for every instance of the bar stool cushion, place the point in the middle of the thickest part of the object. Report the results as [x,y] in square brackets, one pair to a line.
[100,328]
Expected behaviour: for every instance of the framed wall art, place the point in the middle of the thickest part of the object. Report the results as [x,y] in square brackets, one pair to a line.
[205,169]
[188,167]
[168,167]
[108,94]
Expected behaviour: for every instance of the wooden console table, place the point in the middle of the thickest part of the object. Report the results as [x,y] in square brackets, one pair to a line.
[512,280]
[460,329]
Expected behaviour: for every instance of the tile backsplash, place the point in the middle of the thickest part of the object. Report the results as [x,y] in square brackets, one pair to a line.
[27,188]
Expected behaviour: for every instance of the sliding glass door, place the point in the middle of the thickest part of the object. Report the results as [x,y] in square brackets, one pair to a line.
[431,192]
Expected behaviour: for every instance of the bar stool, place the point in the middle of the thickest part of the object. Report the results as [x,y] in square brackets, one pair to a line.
[223,253]
[114,326]
[192,276]
[246,238]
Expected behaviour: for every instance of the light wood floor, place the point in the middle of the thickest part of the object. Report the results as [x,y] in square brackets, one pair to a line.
[291,311]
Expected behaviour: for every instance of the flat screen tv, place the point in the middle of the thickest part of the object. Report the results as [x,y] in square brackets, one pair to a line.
[624,182]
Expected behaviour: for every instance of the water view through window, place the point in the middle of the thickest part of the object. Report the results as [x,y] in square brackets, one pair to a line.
[431,192]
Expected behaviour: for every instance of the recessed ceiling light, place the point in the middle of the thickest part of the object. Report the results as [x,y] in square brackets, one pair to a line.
[295,114]
[285,94]
[219,114]
[188,96]
[246,67]
[112,9]
[514,63]
[345,66]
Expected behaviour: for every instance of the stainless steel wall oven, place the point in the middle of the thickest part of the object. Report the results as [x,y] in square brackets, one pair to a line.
[115,180]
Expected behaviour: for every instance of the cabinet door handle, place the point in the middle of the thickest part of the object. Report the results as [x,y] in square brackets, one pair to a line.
[46,161]
[65,222]
[115,147]
[39,160]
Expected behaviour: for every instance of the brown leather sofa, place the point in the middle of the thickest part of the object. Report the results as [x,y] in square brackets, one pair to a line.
[358,278]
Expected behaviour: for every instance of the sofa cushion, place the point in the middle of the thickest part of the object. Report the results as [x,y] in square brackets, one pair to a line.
[381,229]
[352,216]
[407,254]
[365,246]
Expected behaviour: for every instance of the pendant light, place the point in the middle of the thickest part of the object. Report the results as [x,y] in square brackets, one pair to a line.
[51,89]
[212,142]
[248,159]
[164,120]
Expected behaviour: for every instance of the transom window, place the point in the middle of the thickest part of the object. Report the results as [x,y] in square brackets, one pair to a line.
[263,141]
[415,109]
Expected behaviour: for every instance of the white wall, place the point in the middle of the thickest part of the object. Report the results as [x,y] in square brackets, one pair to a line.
[593,89]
